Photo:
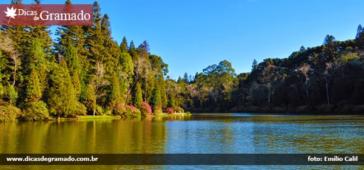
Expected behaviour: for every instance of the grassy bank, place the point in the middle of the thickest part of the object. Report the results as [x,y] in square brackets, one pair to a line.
[162,116]
[158,116]
[98,117]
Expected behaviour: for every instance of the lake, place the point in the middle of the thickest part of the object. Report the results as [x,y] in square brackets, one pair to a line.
[202,133]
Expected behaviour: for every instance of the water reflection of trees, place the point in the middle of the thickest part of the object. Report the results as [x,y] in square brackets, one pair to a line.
[83,137]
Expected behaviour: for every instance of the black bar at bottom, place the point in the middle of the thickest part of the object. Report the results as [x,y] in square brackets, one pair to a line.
[181,159]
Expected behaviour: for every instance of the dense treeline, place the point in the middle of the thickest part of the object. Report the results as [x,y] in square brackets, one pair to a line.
[84,71]
[323,79]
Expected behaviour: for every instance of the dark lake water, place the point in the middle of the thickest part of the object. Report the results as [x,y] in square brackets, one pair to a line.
[202,133]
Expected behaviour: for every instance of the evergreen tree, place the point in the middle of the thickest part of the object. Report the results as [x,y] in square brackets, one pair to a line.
[16,1]
[11,94]
[96,51]
[127,65]
[171,100]
[126,73]
[144,47]
[116,95]
[360,36]
[302,49]
[111,49]
[133,51]
[138,95]
[124,45]
[164,98]
[3,63]
[90,98]
[254,65]
[72,46]
[157,100]
[329,40]
[359,31]
[37,61]
[62,99]
[132,46]
[96,12]
[33,89]
[75,67]
[185,78]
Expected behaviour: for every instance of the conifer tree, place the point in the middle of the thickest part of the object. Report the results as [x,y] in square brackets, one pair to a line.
[95,54]
[62,99]
[360,36]
[16,1]
[72,45]
[127,66]
[157,100]
[116,96]
[132,46]
[111,51]
[164,98]
[171,100]
[138,95]
[37,61]
[125,72]
[254,65]
[33,88]
[75,67]
[124,45]
[90,98]
[359,31]
[11,94]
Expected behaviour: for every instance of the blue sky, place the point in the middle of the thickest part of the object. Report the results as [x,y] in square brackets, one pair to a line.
[192,34]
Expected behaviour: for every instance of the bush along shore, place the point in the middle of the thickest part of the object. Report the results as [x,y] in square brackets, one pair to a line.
[9,113]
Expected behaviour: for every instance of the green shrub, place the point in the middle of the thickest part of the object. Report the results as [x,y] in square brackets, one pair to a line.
[9,113]
[99,110]
[118,109]
[132,111]
[146,109]
[11,94]
[2,91]
[349,57]
[179,110]
[80,109]
[35,111]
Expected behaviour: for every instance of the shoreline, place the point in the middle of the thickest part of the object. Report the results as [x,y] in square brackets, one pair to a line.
[284,113]
[160,116]
[299,110]
[177,116]
[118,117]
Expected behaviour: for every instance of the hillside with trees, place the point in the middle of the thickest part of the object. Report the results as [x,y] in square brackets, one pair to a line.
[324,79]
[84,71]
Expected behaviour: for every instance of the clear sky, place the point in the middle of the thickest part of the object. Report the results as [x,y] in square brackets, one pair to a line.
[192,34]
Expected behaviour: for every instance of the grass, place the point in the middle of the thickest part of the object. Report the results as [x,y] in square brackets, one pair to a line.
[160,116]
[98,117]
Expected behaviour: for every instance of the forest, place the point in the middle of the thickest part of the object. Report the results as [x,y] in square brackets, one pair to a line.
[84,71]
[324,79]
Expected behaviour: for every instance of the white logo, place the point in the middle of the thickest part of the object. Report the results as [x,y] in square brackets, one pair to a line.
[10,12]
